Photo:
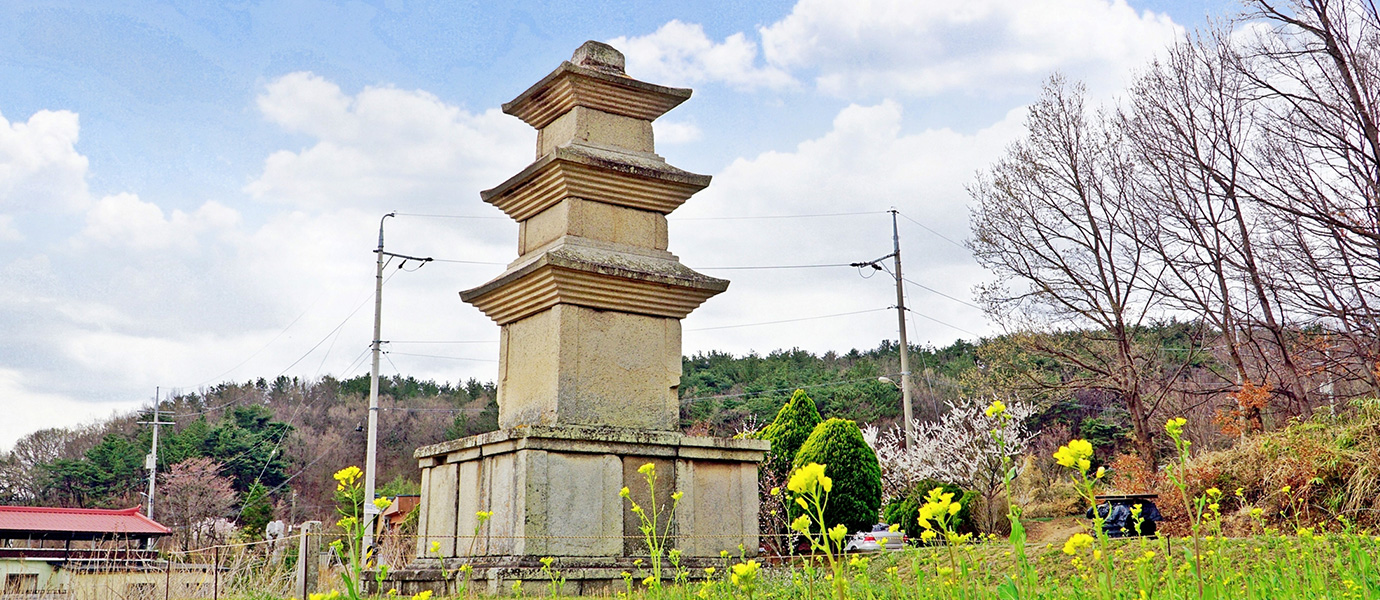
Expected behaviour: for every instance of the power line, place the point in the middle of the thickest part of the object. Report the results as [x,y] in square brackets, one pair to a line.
[811,216]
[474,411]
[442,357]
[930,289]
[844,314]
[774,267]
[437,216]
[949,325]
[467,262]
[264,347]
[332,331]
[442,341]
[784,389]
[926,228]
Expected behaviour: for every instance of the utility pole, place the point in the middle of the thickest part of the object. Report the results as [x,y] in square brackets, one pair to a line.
[906,387]
[151,461]
[371,449]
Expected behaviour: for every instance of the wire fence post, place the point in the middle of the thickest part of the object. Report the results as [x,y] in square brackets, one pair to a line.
[167,579]
[215,575]
[308,557]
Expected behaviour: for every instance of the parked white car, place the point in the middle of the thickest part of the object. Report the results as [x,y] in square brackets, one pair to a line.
[880,538]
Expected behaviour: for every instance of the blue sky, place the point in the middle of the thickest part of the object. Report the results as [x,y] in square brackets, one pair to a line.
[189,190]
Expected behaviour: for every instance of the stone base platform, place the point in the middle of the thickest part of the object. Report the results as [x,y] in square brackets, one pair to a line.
[554,492]
[496,577]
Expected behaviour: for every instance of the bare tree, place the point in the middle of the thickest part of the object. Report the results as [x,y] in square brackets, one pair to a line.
[1315,67]
[1191,118]
[1052,219]
[21,478]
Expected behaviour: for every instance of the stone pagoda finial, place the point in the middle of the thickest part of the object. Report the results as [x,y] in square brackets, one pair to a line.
[590,310]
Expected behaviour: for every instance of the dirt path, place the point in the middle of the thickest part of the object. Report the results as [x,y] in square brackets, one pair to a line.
[1054,531]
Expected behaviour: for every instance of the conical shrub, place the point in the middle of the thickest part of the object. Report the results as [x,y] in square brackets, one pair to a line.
[856,496]
[795,421]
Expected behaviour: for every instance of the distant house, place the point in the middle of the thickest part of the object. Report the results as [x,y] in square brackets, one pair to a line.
[391,520]
[78,553]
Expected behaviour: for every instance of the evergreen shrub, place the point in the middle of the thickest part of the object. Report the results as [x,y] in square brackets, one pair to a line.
[905,510]
[856,497]
[795,421]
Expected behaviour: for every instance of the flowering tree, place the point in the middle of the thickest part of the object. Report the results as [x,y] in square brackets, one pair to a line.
[959,448]
[194,494]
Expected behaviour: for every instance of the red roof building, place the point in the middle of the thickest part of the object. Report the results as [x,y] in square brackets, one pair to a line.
[46,523]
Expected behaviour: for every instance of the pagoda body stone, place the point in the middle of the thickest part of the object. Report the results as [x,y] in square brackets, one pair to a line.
[589,361]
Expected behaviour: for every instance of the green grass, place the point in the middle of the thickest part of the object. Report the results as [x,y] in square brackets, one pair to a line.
[1323,565]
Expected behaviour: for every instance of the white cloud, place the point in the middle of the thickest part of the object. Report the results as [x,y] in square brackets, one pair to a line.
[680,54]
[8,233]
[383,147]
[125,220]
[27,410]
[676,132]
[891,48]
[905,47]
[40,167]
[137,294]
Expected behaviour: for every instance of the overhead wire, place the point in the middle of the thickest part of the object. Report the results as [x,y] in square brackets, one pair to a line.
[442,357]
[442,341]
[888,270]
[843,314]
[752,267]
[467,262]
[757,217]
[784,389]
[265,346]
[930,289]
[927,228]
[440,216]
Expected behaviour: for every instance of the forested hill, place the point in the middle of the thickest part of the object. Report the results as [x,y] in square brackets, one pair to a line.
[722,394]
[285,435]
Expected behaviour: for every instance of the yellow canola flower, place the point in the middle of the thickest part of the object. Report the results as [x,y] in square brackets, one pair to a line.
[997,408]
[1175,427]
[677,496]
[435,546]
[422,595]
[647,469]
[383,502]
[347,476]
[801,524]
[805,478]
[484,515]
[744,574]
[625,492]
[838,532]
[1075,454]
[1077,542]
